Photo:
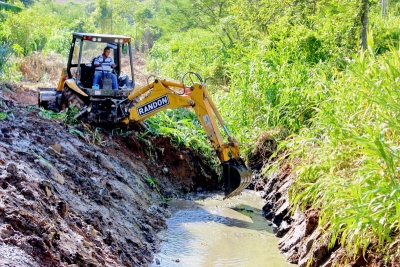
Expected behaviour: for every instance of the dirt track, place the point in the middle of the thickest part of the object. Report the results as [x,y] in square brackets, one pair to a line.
[65,200]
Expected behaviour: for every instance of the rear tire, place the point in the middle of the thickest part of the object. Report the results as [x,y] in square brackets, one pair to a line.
[70,97]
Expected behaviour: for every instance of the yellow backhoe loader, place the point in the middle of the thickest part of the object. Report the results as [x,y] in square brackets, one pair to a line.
[130,103]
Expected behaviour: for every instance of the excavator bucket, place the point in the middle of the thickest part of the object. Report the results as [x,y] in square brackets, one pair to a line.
[237,176]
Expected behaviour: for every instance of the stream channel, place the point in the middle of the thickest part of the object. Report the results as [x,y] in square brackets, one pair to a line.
[210,232]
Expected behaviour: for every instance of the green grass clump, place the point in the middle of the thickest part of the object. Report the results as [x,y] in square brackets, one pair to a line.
[4,114]
[67,116]
[51,115]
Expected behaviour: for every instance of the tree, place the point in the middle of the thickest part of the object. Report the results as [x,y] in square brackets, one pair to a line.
[364,22]
[102,15]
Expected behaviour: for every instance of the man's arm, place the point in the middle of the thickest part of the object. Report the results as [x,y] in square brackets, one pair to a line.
[112,64]
[97,62]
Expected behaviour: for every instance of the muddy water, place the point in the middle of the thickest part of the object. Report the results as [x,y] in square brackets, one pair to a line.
[213,232]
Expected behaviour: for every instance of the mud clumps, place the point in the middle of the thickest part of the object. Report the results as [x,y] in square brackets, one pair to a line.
[67,202]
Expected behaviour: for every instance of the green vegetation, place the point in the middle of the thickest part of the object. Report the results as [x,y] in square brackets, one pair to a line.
[49,114]
[66,116]
[350,154]
[324,74]
[3,115]
[4,111]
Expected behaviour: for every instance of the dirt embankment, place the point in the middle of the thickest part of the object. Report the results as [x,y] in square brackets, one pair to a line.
[302,240]
[65,201]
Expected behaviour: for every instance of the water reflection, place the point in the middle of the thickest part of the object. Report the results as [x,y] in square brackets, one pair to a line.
[213,232]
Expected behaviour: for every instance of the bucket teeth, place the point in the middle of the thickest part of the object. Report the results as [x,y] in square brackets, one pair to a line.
[237,176]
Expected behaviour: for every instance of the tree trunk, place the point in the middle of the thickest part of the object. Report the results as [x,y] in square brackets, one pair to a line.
[383,8]
[364,22]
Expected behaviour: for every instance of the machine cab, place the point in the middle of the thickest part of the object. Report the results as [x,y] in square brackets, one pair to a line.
[85,47]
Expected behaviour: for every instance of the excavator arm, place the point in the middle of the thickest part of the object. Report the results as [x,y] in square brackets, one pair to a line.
[163,94]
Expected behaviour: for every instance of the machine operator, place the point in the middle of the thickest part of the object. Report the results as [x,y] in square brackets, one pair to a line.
[103,64]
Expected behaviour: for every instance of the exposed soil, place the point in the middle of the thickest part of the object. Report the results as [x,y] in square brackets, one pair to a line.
[302,240]
[68,200]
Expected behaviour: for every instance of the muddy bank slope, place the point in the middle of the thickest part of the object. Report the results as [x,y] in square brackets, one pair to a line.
[302,241]
[67,200]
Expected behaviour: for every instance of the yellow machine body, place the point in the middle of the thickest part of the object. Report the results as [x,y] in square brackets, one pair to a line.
[164,94]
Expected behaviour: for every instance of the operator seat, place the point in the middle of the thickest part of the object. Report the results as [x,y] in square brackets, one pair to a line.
[87,74]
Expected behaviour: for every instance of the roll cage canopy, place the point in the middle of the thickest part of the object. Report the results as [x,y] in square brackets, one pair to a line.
[116,42]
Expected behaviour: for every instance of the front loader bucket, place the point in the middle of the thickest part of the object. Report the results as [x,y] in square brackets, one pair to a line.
[237,176]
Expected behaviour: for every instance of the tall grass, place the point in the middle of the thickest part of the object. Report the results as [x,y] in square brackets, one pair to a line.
[276,81]
[351,166]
